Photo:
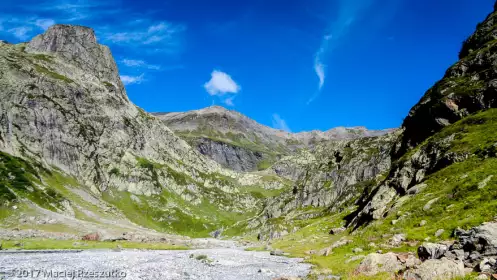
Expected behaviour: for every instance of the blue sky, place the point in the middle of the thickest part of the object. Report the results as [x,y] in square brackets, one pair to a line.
[291,64]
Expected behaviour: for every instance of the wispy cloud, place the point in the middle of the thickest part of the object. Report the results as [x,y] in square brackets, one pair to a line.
[21,32]
[69,11]
[23,28]
[163,34]
[229,101]
[280,123]
[44,23]
[349,12]
[221,84]
[139,64]
[319,65]
[129,80]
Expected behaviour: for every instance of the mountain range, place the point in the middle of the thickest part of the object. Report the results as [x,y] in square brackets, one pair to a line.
[77,156]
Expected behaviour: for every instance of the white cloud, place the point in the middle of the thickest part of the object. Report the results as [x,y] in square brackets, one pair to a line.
[164,32]
[221,84]
[158,27]
[119,37]
[280,123]
[153,39]
[44,23]
[140,64]
[129,80]
[229,101]
[21,32]
[319,68]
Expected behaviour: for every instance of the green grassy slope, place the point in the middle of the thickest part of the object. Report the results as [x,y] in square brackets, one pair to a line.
[466,194]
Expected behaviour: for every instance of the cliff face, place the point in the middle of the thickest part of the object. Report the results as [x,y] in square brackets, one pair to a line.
[64,110]
[230,156]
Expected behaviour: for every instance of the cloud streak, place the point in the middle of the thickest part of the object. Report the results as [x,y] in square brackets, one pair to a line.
[134,63]
[280,123]
[319,66]
[229,101]
[349,11]
[23,28]
[21,32]
[44,23]
[130,80]
[165,34]
[70,11]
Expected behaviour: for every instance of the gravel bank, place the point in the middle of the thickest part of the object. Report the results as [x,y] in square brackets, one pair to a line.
[221,264]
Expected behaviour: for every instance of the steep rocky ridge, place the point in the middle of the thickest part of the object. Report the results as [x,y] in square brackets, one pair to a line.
[467,87]
[442,129]
[240,143]
[65,113]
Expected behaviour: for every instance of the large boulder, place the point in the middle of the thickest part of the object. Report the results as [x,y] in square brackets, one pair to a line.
[377,263]
[436,270]
[397,239]
[431,251]
[409,260]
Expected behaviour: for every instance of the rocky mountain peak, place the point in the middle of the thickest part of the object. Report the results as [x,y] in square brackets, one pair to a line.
[77,44]
[215,108]
[65,40]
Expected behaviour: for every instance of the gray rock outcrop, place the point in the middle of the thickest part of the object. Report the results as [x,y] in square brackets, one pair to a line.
[432,251]
[436,269]
[479,244]
[78,45]
[377,263]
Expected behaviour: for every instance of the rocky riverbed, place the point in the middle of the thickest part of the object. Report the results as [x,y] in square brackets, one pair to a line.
[225,263]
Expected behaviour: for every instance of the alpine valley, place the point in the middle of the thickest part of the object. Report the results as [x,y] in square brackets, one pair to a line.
[78,158]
